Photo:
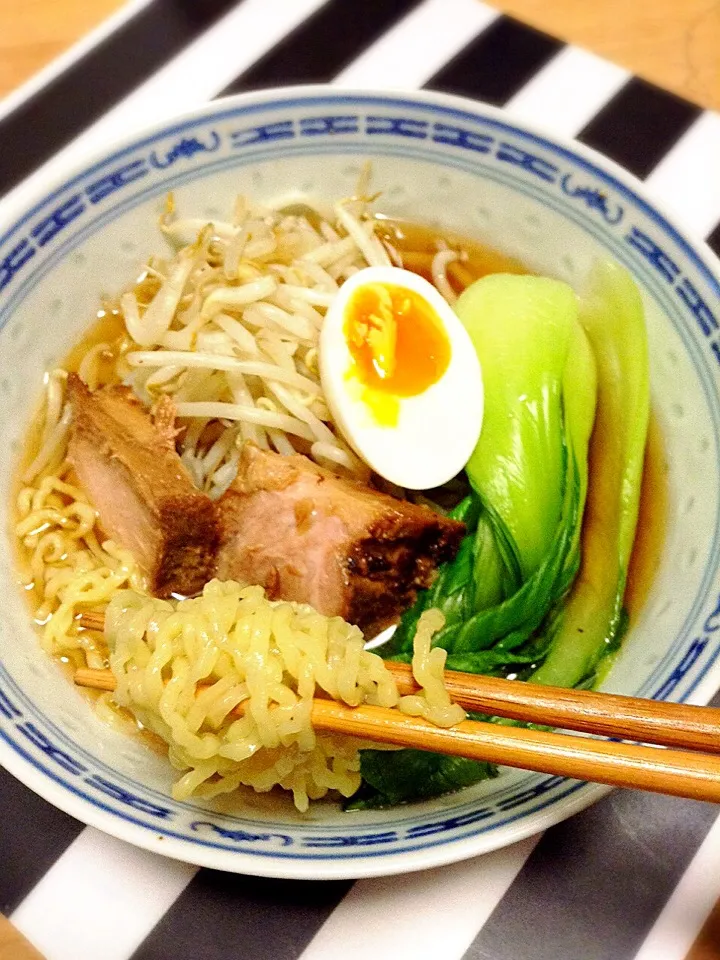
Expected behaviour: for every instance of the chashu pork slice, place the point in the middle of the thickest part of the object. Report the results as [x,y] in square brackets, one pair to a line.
[307,535]
[128,466]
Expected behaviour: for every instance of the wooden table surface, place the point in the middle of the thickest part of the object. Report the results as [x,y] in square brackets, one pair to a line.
[674,43]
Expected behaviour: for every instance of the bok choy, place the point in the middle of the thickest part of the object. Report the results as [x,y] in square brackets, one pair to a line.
[592,620]
[536,589]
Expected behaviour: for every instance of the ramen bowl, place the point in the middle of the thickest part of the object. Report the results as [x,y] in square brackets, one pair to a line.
[436,159]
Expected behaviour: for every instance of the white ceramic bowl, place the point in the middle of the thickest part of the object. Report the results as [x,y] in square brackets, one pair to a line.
[439,159]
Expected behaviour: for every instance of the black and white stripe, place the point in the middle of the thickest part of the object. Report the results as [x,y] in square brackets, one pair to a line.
[639,125]
[596,882]
[95,83]
[124,892]
[26,855]
[418,46]
[326,43]
[596,887]
[573,86]
[250,917]
[498,63]
[714,239]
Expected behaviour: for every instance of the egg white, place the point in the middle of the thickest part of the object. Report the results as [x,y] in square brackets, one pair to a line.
[436,430]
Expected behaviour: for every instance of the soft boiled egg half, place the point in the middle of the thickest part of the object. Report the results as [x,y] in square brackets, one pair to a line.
[401,377]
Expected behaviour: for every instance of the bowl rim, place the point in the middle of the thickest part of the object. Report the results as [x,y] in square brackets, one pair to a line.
[30,196]
[16,204]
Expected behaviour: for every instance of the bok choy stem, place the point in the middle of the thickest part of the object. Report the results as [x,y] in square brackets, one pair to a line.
[592,621]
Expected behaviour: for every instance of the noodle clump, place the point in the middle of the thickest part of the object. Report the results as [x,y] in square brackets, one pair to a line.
[71,566]
[273,658]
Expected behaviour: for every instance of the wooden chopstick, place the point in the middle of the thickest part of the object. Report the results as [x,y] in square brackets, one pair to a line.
[691,772]
[604,714]
[679,773]
[92,621]
[586,711]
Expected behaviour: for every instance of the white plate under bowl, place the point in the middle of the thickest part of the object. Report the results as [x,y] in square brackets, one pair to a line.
[437,159]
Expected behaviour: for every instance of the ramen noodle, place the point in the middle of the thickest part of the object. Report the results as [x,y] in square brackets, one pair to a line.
[182,669]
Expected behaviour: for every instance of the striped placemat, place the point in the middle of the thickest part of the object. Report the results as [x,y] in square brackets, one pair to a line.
[632,878]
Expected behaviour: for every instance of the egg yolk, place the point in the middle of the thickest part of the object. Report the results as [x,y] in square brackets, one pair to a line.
[396,340]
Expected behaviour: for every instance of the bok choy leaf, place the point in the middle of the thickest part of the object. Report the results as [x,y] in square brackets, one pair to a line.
[521,329]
